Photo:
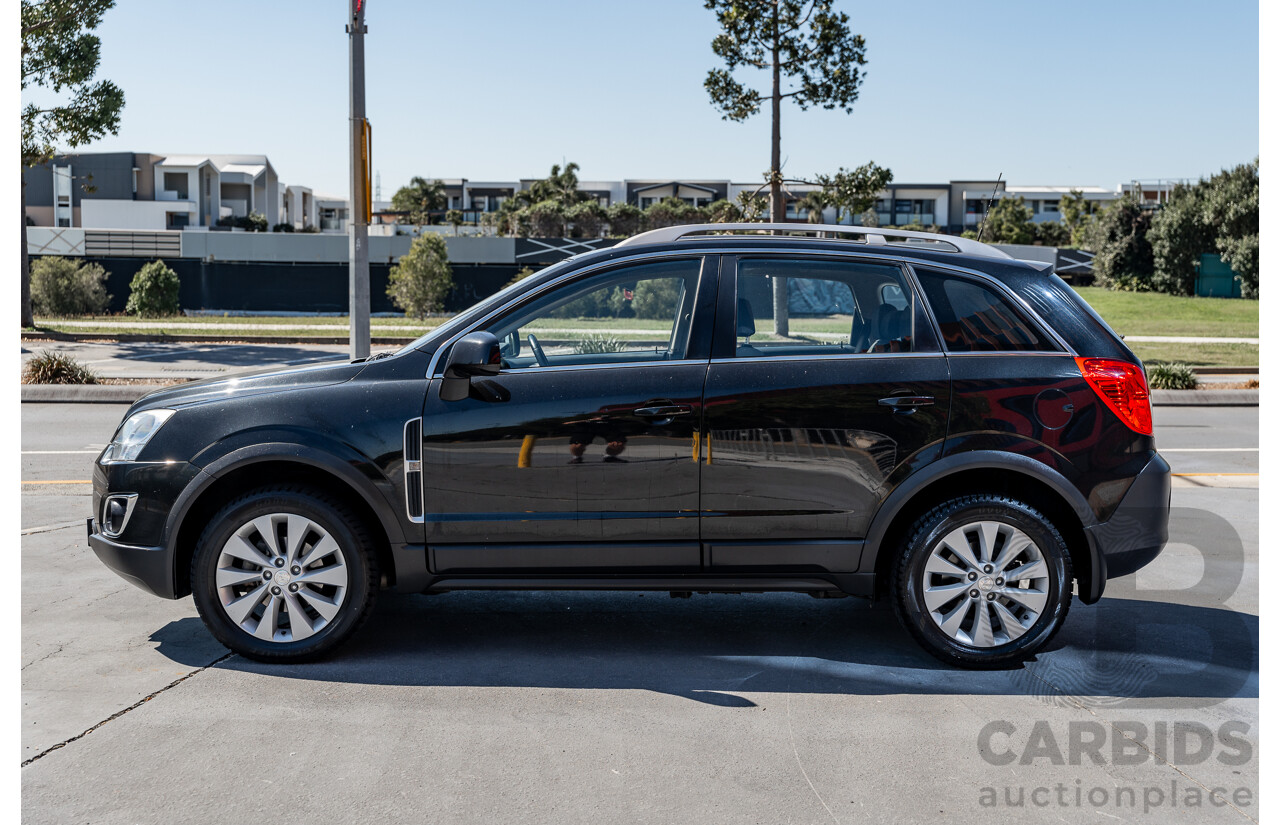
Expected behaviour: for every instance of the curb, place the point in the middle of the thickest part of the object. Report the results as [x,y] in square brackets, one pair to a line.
[108,338]
[86,393]
[1204,398]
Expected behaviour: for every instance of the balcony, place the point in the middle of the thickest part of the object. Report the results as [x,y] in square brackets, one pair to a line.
[903,219]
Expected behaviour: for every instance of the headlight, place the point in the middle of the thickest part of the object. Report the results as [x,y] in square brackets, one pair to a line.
[134,435]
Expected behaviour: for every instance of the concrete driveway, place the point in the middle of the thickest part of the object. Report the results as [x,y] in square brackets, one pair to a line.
[625,707]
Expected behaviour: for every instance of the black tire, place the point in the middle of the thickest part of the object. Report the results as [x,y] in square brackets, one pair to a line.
[909,574]
[331,515]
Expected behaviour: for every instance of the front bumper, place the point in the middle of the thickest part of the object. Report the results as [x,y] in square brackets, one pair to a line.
[1139,528]
[150,568]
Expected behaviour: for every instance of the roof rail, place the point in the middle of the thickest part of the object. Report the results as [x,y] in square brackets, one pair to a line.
[870,235]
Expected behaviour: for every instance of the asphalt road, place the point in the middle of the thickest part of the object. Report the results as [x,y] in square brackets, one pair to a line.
[625,707]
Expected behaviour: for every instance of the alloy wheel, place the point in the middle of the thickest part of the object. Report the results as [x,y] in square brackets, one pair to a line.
[281,577]
[985,583]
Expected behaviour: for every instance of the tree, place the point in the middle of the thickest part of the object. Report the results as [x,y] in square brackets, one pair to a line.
[1179,236]
[1052,233]
[587,218]
[1077,213]
[751,205]
[723,211]
[816,203]
[423,279]
[153,292]
[419,199]
[62,286]
[61,56]
[854,190]
[1124,259]
[802,42]
[1231,205]
[624,219]
[454,218]
[1009,221]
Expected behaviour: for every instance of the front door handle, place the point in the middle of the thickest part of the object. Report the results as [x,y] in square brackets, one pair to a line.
[907,404]
[665,411]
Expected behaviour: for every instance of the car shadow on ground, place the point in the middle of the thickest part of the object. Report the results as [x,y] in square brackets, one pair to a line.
[714,648]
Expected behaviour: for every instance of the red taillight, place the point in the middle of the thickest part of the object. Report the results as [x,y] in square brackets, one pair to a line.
[1123,386]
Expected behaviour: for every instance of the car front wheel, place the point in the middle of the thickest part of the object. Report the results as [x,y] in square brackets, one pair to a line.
[983,581]
[284,574]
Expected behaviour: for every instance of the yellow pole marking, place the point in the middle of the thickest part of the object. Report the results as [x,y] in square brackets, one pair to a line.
[526,452]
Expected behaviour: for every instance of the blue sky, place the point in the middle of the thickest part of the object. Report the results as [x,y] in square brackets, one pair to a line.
[1047,93]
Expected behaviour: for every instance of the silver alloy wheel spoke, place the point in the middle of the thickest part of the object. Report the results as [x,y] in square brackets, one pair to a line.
[937,596]
[976,573]
[276,586]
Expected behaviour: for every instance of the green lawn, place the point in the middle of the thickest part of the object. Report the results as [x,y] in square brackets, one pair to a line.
[1154,313]
[1129,313]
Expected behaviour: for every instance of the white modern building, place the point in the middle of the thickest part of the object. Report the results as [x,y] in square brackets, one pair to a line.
[144,191]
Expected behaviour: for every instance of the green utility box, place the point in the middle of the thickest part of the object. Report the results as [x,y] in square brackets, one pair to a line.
[1215,279]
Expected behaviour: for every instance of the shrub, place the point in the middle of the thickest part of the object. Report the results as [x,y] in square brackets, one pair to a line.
[153,293]
[599,342]
[49,367]
[524,272]
[587,219]
[422,279]
[624,219]
[282,227]
[61,286]
[1176,376]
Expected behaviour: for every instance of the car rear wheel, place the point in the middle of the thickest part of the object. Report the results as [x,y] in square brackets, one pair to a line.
[983,581]
[284,574]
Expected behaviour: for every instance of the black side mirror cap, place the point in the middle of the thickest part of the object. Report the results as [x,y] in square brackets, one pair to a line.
[472,355]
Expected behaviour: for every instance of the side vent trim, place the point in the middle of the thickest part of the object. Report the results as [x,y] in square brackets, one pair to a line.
[413,492]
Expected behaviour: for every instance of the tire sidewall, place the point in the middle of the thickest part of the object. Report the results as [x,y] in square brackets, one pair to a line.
[234,516]
[911,586]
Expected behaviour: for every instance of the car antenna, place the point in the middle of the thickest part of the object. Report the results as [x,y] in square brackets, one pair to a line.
[994,189]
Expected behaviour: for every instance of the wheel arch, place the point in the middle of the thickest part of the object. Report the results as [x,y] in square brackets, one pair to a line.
[265,465]
[1016,476]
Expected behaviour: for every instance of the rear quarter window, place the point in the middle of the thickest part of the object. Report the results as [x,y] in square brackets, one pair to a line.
[975,318]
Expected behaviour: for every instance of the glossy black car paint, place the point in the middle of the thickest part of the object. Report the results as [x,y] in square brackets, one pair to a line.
[779,474]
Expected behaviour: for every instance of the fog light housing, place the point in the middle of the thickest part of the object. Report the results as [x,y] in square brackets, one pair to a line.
[116,510]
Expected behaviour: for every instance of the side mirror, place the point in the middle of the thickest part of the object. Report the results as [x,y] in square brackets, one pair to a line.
[473,355]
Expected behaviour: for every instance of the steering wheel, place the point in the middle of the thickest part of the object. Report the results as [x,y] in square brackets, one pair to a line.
[538,354]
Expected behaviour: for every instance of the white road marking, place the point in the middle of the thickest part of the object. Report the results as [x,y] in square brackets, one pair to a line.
[61,452]
[1209,450]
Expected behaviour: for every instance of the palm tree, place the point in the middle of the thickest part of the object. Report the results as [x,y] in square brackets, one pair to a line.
[815,202]
[419,199]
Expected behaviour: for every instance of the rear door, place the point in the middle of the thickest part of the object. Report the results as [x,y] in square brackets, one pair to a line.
[805,435]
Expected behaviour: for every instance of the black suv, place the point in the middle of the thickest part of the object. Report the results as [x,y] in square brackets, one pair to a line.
[828,410]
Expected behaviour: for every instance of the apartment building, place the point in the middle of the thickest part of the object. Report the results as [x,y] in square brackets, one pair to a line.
[954,206]
[147,191]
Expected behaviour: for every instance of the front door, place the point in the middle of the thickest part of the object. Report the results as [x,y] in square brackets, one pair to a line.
[807,432]
[579,456]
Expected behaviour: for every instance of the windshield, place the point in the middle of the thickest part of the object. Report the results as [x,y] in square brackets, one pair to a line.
[480,309]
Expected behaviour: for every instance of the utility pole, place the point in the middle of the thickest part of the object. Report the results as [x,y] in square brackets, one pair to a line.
[358,215]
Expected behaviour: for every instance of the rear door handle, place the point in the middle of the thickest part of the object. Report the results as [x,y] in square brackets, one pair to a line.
[907,403]
[666,411]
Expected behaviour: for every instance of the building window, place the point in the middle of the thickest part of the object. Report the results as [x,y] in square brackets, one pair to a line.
[64,222]
[975,206]
[1049,206]
[176,182]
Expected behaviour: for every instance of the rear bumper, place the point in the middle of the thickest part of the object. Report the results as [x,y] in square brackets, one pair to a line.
[1139,528]
[150,568]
